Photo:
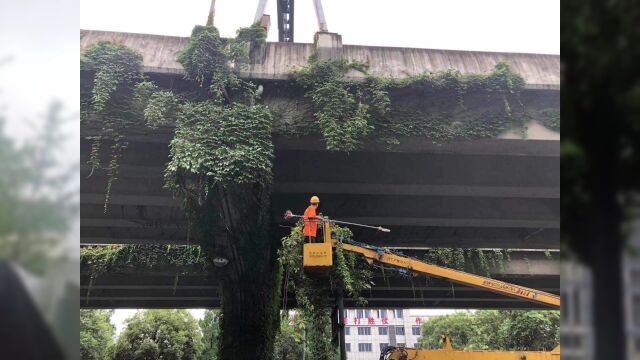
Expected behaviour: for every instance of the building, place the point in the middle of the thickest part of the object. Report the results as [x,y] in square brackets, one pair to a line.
[368,331]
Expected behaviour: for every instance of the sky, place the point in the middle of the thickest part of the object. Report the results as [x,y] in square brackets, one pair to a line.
[487,25]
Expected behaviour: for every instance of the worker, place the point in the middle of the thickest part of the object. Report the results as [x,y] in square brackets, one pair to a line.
[311,220]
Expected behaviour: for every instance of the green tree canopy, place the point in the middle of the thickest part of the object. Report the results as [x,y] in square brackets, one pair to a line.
[96,334]
[289,341]
[36,204]
[210,327]
[495,330]
[160,334]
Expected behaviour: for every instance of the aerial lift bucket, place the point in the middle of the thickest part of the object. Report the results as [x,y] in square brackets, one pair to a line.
[318,257]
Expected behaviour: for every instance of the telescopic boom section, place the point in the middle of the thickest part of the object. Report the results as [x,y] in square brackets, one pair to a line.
[460,277]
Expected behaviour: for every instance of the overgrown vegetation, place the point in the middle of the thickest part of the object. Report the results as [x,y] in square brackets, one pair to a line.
[221,160]
[477,261]
[440,106]
[343,109]
[494,330]
[314,295]
[107,102]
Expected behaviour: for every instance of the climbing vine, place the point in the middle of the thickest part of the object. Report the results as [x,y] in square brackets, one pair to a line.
[183,259]
[343,109]
[107,105]
[477,261]
[439,106]
[314,295]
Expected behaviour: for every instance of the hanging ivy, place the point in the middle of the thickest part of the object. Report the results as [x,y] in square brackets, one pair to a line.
[479,261]
[107,104]
[221,160]
[343,109]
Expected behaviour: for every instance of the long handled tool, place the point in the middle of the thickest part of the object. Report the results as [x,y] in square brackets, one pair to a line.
[288,215]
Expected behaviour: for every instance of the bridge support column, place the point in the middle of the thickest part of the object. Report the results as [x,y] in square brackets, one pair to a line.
[328,46]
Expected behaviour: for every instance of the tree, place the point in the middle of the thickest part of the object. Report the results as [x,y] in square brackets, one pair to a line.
[289,342]
[210,327]
[457,325]
[35,209]
[495,330]
[159,334]
[599,149]
[96,334]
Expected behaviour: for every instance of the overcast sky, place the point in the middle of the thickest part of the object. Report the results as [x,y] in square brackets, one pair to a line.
[489,25]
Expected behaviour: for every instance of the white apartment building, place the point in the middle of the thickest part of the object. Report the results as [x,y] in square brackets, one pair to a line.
[368,331]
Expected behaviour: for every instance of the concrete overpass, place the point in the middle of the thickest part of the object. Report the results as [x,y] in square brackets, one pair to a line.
[489,193]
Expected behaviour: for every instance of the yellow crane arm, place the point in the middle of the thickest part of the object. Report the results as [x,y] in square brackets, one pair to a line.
[461,277]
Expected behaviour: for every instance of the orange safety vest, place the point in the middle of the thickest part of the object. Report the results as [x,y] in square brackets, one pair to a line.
[310,223]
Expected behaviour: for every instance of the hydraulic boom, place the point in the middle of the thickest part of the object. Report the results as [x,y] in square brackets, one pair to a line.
[319,257]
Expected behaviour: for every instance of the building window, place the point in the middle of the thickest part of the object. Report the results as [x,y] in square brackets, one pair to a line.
[400,330]
[347,330]
[383,346]
[365,347]
[402,345]
[383,313]
[383,330]
[367,313]
[360,314]
[348,347]
[415,330]
[364,330]
[399,314]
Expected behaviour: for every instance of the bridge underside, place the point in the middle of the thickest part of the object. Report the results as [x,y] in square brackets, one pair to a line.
[482,194]
[494,193]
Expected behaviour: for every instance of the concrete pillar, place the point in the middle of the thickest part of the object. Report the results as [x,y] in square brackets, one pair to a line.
[328,46]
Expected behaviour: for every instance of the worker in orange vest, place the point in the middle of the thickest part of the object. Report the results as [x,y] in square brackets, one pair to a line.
[311,220]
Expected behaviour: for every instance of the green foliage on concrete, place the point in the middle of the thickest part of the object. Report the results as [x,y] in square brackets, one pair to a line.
[255,34]
[314,294]
[107,102]
[440,106]
[494,330]
[182,258]
[476,261]
[342,109]
[96,334]
[159,334]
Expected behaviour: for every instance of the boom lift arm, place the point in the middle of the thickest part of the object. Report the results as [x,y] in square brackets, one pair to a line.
[319,257]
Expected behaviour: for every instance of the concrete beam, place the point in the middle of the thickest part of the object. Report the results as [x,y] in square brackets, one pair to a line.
[279,60]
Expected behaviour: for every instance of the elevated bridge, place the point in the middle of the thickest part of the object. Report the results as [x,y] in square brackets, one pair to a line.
[490,193]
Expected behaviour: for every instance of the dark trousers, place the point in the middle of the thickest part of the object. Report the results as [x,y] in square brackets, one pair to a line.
[311,239]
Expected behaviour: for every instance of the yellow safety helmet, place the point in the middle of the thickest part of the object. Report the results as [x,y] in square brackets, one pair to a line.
[314,199]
